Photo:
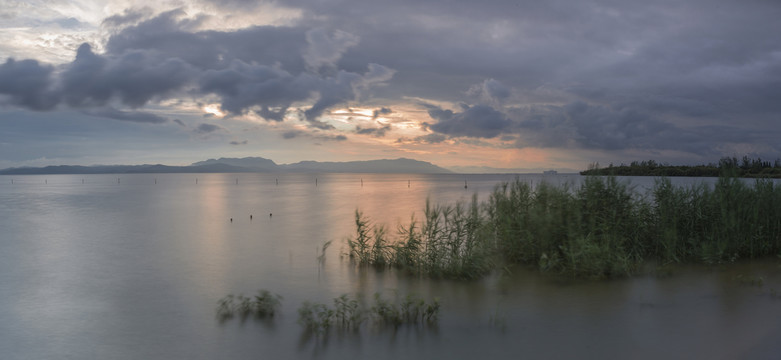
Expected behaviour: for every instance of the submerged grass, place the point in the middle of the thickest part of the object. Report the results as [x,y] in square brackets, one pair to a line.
[264,305]
[348,314]
[603,228]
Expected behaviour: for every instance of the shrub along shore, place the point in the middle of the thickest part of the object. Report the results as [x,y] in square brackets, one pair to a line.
[599,229]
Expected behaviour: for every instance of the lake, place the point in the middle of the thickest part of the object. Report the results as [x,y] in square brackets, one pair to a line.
[132,267]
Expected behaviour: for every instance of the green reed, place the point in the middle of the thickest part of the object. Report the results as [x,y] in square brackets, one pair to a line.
[348,314]
[602,228]
[264,305]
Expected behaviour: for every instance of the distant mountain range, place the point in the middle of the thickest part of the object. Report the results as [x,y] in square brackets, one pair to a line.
[243,165]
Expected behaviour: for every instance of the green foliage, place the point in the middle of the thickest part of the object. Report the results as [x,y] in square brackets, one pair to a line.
[602,228]
[731,167]
[262,306]
[315,317]
[349,314]
[447,244]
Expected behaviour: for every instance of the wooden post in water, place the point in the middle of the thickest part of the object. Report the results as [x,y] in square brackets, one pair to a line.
[315,182]
[408,181]
[361,182]
[276,181]
[465,184]
[196,180]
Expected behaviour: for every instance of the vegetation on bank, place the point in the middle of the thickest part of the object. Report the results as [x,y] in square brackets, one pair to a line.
[746,167]
[602,228]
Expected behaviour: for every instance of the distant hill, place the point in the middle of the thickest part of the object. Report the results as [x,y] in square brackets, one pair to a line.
[254,163]
[401,165]
[238,165]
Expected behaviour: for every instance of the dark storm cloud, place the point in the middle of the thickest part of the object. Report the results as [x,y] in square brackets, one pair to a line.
[133,116]
[169,35]
[134,78]
[605,128]
[596,74]
[27,83]
[490,91]
[326,49]
[475,121]
[257,69]
[583,125]
[243,85]
[269,114]
[651,73]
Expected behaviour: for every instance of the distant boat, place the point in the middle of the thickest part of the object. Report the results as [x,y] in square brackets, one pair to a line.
[550,172]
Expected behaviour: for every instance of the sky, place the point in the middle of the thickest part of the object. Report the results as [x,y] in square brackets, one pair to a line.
[508,84]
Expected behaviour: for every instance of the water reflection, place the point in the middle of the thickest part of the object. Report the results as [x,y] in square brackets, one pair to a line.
[135,269]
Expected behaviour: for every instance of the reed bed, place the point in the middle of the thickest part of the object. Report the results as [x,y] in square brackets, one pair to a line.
[348,314]
[602,228]
[264,305]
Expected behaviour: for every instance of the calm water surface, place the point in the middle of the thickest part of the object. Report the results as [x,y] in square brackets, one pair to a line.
[132,266]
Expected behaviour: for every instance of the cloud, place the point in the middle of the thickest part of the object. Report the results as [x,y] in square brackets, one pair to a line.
[346,86]
[171,35]
[332,137]
[27,83]
[243,142]
[258,69]
[423,139]
[490,91]
[381,111]
[133,116]
[325,50]
[130,16]
[205,128]
[134,78]
[242,86]
[376,132]
[587,75]
[269,114]
[475,121]
[291,134]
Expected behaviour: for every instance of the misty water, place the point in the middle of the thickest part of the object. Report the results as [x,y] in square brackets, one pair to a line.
[132,267]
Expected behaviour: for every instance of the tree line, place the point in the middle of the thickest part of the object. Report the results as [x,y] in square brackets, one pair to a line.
[727,166]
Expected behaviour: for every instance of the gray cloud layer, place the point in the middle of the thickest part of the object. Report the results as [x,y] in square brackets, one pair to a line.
[256,69]
[701,76]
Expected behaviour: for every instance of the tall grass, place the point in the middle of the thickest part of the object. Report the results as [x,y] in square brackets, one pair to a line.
[448,243]
[602,228]
[264,305]
[348,314]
